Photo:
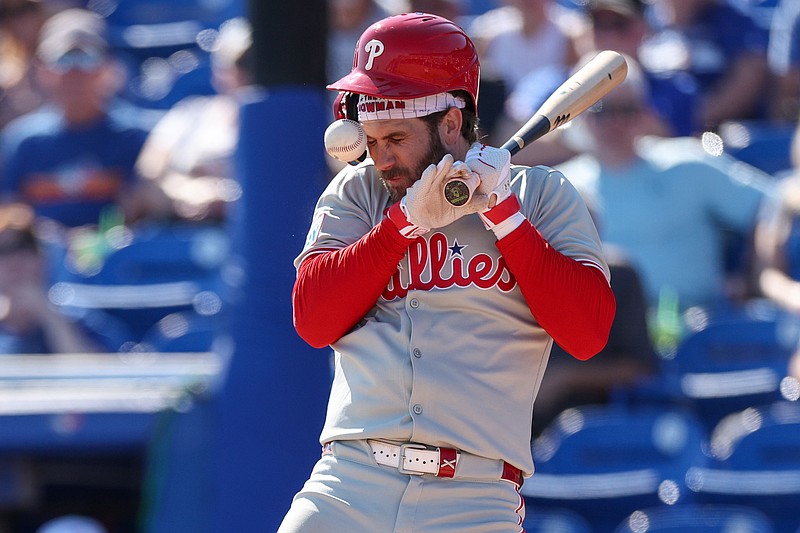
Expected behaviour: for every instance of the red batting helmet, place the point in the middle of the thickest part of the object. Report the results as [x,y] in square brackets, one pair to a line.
[410,56]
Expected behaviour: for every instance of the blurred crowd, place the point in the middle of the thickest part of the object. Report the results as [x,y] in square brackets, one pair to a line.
[117,163]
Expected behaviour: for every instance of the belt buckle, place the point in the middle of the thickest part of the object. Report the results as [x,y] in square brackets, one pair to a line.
[401,467]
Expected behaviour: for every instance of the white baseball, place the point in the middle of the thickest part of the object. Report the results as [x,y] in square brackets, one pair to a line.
[345,140]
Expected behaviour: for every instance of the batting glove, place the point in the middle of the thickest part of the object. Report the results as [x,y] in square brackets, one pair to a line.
[406,228]
[493,167]
[424,203]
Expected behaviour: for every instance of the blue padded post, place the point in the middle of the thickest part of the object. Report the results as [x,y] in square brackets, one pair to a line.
[272,406]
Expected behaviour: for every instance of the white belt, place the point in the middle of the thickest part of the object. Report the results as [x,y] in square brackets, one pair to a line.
[411,458]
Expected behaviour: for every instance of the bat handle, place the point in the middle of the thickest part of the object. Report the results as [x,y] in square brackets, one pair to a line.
[514,144]
[458,191]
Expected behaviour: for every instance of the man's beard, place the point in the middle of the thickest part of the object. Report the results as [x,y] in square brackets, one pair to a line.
[397,189]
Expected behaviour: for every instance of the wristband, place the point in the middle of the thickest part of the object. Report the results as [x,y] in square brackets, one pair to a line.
[408,230]
[503,218]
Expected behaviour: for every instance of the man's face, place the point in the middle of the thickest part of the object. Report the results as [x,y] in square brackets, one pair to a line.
[614,31]
[402,149]
[80,82]
[617,118]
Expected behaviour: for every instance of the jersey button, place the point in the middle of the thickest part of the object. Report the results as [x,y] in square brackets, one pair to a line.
[417,409]
[417,353]
[414,303]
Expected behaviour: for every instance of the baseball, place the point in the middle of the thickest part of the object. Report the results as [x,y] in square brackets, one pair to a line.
[345,140]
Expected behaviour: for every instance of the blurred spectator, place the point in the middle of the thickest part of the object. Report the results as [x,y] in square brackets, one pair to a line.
[724,50]
[28,323]
[627,358]
[189,153]
[20,23]
[522,37]
[73,159]
[666,202]
[449,9]
[621,25]
[777,239]
[618,25]
[784,61]
[347,21]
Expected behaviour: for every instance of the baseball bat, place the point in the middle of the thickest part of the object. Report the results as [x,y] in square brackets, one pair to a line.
[580,91]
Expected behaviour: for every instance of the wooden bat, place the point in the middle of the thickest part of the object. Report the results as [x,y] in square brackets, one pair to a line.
[583,89]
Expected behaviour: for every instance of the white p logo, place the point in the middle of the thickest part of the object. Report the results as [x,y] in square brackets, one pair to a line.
[374,48]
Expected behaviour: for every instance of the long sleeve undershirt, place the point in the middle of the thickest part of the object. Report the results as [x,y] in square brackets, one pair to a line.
[573,302]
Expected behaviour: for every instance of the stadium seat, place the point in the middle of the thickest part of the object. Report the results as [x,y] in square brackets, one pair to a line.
[729,362]
[697,518]
[604,462]
[552,520]
[755,461]
[762,144]
[148,274]
[185,331]
[164,46]
[155,82]
[758,10]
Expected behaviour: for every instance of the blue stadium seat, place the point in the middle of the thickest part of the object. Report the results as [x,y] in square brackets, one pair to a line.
[167,24]
[185,331]
[762,144]
[697,518]
[758,10]
[604,462]
[148,274]
[726,364]
[755,462]
[155,82]
[553,520]
[164,46]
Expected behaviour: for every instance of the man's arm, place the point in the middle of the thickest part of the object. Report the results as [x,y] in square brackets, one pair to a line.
[572,301]
[335,289]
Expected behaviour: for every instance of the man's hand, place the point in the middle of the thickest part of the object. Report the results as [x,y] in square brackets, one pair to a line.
[424,203]
[493,166]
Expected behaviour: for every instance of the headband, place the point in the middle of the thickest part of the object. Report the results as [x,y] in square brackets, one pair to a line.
[373,108]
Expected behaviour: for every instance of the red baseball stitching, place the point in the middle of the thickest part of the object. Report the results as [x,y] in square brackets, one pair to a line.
[351,146]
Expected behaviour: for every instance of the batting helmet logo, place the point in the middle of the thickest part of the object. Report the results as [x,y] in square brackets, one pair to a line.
[374,48]
[410,56]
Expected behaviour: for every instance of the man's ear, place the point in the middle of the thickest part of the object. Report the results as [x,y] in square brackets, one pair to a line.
[450,126]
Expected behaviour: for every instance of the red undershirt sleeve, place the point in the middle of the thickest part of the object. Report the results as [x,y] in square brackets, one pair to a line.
[349,280]
[572,301]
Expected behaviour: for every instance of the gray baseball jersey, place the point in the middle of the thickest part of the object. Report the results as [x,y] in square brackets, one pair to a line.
[450,354]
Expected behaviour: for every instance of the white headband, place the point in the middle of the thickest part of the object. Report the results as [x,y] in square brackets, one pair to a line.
[372,108]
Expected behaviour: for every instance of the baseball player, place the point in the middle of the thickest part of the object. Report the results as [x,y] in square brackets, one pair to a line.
[441,318]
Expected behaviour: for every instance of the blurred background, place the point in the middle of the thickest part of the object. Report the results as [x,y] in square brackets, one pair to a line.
[159,165]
